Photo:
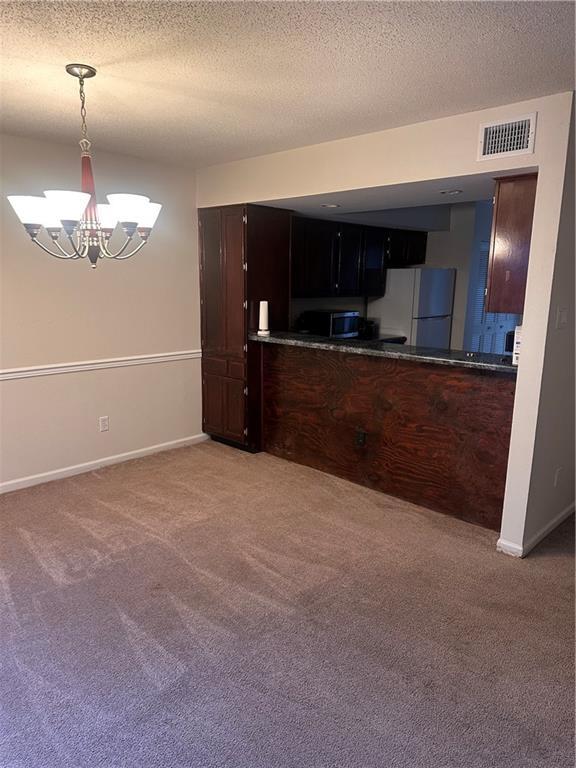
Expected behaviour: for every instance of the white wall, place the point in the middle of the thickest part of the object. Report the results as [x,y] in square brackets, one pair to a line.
[554,450]
[454,249]
[56,312]
[439,149]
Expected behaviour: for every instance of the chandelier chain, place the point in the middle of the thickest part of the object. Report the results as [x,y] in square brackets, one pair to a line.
[83,109]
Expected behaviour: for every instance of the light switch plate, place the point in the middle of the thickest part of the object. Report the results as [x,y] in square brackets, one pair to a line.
[561,317]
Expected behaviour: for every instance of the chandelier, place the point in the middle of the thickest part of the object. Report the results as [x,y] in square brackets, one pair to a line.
[74,224]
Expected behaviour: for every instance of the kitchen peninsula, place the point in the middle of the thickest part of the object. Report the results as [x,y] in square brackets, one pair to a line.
[420,421]
[429,427]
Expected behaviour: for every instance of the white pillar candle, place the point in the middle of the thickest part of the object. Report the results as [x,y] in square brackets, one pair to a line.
[263,319]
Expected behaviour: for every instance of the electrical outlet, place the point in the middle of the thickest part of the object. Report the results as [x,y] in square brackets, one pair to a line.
[104,423]
[557,474]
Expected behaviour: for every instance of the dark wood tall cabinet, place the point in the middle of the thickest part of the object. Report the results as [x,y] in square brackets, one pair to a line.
[244,258]
[510,243]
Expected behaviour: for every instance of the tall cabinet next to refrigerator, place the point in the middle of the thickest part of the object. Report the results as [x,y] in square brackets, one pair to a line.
[418,304]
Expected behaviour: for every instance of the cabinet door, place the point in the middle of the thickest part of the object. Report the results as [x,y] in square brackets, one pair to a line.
[224,407]
[298,256]
[234,281]
[213,404]
[405,248]
[374,269]
[313,251]
[211,282]
[395,242]
[415,252]
[235,402]
[510,244]
[349,262]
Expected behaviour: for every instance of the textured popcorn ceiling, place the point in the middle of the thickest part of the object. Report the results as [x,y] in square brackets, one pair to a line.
[201,83]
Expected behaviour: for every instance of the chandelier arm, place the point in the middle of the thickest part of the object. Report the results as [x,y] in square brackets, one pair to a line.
[63,255]
[103,245]
[119,253]
[78,255]
[131,253]
[67,255]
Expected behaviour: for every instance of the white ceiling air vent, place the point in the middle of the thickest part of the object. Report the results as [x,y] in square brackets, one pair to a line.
[515,137]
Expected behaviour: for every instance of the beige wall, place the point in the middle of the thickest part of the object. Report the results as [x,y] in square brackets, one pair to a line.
[439,149]
[549,502]
[55,311]
[454,249]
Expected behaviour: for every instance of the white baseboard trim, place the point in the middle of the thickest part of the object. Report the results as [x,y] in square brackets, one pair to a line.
[509,548]
[88,466]
[7,374]
[548,528]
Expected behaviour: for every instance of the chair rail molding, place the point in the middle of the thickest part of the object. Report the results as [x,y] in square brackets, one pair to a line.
[8,374]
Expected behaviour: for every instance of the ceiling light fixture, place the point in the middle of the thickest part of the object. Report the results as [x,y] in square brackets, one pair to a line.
[330,205]
[451,192]
[84,225]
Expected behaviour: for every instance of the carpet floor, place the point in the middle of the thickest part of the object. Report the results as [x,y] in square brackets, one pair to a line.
[208,608]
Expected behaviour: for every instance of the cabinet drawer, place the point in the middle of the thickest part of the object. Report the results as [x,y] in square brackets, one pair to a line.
[236,369]
[221,366]
[215,365]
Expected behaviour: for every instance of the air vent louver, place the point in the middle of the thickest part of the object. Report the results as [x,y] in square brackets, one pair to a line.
[515,137]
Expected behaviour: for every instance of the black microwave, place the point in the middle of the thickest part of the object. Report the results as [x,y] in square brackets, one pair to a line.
[332,323]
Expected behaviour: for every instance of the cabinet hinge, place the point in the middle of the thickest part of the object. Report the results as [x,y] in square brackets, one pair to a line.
[246,390]
[245,347]
[245,266]
[485,291]
[245,219]
[245,304]
[245,431]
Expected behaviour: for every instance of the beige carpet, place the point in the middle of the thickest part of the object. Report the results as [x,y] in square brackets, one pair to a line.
[209,608]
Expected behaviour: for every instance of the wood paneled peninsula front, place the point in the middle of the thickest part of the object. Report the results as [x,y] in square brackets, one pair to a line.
[431,427]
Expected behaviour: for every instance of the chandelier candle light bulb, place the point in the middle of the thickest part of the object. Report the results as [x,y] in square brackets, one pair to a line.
[75,216]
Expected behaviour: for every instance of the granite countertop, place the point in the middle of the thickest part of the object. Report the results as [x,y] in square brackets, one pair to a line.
[456,358]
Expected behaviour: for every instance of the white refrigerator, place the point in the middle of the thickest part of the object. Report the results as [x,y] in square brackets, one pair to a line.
[418,304]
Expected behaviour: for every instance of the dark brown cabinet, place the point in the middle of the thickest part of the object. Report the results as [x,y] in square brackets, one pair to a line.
[224,413]
[348,264]
[405,248]
[244,258]
[314,250]
[326,259]
[510,243]
[337,259]
[374,282]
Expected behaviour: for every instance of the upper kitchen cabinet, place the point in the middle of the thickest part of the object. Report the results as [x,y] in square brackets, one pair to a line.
[374,268]
[328,259]
[510,243]
[314,254]
[244,258]
[336,259]
[405,248]
[348,261]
